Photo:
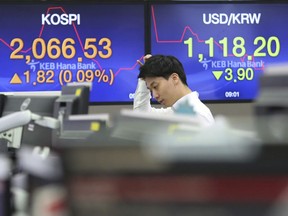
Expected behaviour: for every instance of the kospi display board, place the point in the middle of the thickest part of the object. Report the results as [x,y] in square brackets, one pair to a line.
[44,47]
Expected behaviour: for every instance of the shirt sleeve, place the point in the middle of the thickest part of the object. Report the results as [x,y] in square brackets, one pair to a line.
[142,99]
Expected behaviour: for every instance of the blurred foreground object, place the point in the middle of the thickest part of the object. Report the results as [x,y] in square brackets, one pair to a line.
[125,180]
[271,107]
[186,143]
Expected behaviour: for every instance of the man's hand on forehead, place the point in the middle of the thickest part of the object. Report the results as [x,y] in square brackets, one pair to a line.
[147,57]
[144,58]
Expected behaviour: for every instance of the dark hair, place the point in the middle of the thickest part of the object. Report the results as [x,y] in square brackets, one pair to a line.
[162,66]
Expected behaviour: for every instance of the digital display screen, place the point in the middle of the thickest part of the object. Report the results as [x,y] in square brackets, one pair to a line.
[44,47]
[224,47]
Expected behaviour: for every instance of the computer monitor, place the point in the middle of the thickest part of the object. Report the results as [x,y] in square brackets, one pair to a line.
[42,114]
[2,100]
[74,100]
[137,126]
[31,133]
[271,107]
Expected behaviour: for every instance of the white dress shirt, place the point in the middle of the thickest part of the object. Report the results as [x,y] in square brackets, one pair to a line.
[142,99]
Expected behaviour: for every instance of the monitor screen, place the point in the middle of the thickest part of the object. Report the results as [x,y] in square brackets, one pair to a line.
[224,46]
[47,46]
[31,134]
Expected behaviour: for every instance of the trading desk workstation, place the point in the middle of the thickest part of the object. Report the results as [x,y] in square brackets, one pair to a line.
[133,163]
[58,159]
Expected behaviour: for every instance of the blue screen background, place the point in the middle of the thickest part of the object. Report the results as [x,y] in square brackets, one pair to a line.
[172,24]
[123,24]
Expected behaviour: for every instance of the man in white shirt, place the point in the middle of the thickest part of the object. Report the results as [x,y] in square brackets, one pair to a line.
[164,77]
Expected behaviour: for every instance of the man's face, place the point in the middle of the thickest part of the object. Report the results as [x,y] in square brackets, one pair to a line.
[162,90]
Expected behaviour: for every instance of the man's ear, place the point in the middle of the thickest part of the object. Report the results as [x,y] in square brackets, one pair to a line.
[175,78]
